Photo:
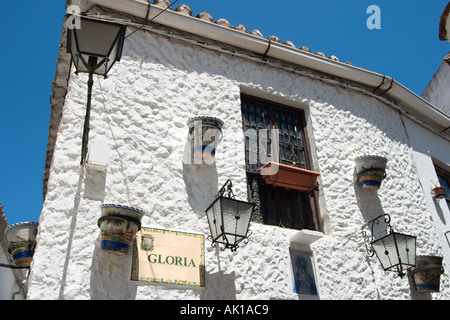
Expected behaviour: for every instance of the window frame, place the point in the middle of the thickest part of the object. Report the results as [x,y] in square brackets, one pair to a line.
[305,164]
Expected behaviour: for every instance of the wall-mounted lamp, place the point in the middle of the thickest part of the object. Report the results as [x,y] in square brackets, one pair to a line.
[395,251]
[229,219]
[94,47]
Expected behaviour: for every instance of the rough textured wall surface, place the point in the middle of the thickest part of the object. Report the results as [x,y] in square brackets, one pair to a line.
[141,110]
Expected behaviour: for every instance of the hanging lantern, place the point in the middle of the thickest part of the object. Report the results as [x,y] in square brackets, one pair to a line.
[94,47]
[229,219]
[395,251]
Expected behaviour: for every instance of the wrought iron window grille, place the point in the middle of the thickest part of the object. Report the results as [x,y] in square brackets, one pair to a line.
[266,123]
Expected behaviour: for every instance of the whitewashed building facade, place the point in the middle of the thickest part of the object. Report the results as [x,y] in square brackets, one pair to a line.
[177,66]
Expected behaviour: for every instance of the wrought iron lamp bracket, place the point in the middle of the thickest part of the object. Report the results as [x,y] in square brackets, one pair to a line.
[226,188]
[370,234]
[91,65]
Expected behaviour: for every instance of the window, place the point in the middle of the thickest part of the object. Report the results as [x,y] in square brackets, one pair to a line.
[444,181]
[278,206]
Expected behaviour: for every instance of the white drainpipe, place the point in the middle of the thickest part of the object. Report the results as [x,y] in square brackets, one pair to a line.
[409,101]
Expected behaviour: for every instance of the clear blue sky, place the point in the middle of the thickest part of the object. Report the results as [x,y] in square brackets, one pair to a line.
[407,48]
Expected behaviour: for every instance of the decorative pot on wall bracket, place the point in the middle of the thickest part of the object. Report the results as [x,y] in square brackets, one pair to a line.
[439,192]
[427,273]
[22,241]
[370,171]
[205,134]
[118,226]
[282,175]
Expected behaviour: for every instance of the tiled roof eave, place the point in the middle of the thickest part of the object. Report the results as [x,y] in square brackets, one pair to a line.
[182,19]
[409,103]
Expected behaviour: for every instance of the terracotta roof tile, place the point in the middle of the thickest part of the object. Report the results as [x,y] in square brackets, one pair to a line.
[242,28]
[163,3]
[185,9]
[205,16]
[223,22]
[257,33]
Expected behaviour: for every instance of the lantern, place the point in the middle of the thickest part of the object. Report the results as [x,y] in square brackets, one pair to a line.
[229,219]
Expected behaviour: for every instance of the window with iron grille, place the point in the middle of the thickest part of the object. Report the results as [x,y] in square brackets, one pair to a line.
[263,123]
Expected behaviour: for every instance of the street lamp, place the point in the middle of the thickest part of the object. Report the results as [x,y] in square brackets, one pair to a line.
[94,47]
[395,251]
[229,219]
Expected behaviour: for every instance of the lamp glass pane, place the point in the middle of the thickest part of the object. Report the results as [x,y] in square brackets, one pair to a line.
[407,249]
[115,53]
[96,38]
[386,251]
[214,219]
[236,218]
[73,48]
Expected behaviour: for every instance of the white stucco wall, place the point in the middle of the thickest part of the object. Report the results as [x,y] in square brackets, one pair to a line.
[141,110]
[429,150]
[9,289]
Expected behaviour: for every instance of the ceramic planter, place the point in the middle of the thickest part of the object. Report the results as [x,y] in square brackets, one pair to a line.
[370,171]
[439,193]
[427,273]
[204,134]
[118,226]
[22,241]
[289,176]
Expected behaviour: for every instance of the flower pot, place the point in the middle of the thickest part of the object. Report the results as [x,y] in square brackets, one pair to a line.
[22,241]
[282,175]
[427,273]
[370,171]
[439,192]
[118,226]
[204,134]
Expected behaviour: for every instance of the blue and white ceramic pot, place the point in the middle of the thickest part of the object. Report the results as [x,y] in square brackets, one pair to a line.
[22,241]
[370,171]
[427,273]
[118,226]
[205,134]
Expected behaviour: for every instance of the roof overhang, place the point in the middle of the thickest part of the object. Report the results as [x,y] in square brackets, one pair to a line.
[409,103]
[375,84]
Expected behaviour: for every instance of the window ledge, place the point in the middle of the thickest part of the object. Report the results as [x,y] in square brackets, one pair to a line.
[304,238]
